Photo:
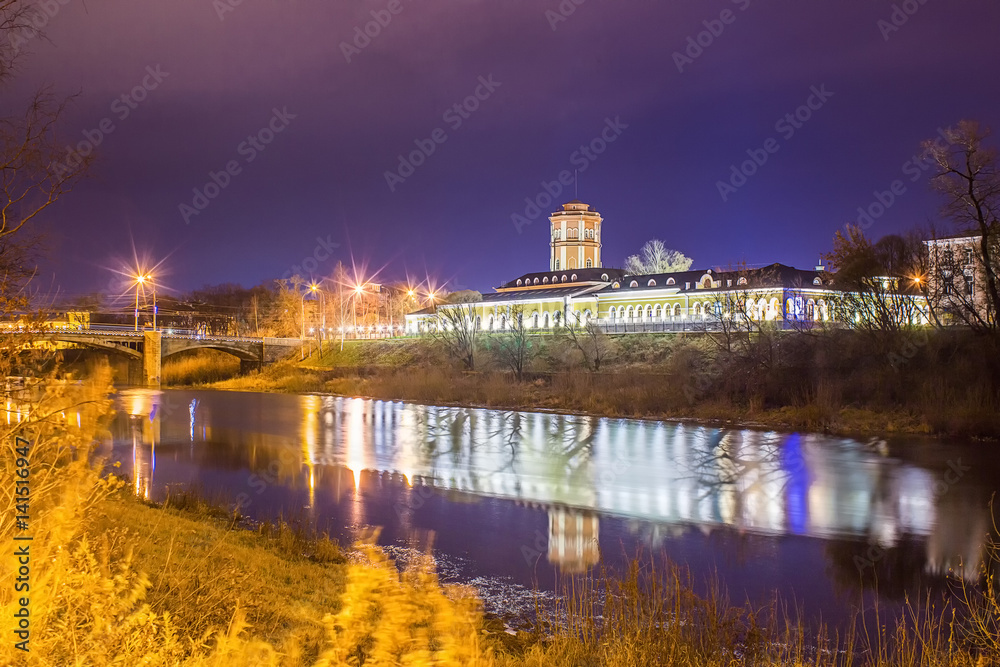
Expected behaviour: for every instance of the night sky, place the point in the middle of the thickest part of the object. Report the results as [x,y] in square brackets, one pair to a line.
[216,73]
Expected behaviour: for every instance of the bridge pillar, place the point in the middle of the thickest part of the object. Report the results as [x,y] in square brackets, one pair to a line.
[151,358]
[247,366]
[135,372]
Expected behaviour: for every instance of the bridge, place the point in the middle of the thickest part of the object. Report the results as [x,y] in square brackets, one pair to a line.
[146,350]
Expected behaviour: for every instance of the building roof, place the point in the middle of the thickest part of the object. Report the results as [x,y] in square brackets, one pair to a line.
[593,275]
[774,275]
[548,292]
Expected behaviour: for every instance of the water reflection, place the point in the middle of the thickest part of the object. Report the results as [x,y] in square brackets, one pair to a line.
[660,479]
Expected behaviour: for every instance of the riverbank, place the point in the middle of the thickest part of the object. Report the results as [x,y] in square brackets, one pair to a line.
[832,382]
[116,579]
[275,596]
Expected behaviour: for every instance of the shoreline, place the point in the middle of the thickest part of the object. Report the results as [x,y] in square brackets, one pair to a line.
[860,423]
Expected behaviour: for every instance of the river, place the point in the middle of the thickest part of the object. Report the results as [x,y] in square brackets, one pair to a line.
[516,501]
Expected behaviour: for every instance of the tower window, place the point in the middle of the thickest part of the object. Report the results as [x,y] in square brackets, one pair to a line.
[557,265]
[590,263]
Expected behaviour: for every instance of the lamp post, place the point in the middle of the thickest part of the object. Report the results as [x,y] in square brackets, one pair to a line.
[140,283]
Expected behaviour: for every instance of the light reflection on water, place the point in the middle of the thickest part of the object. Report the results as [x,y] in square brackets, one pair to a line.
[476,475]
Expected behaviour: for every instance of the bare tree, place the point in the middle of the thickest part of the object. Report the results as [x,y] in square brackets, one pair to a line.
[654,257]
[512,346]
[969,179]
[33,172]
[457,328]
[876,281]
[735,315]
[591,341]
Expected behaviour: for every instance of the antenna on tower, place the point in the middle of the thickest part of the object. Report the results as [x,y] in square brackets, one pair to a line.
[576,184]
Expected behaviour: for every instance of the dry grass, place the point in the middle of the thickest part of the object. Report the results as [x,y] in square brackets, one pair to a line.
[199,367]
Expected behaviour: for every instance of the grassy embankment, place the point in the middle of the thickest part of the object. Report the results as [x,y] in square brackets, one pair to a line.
[115,581]
[842,382]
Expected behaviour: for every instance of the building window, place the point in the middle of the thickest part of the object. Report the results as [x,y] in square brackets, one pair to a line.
[817,281]
[545,280]
[573,277]
[557,265]
[572,233]
[564,278]
[651,283]
[968,256]
[970,286]
[741,281]
[536,281]
[518,283]
[633,284]
[946,283]
[671,281]
[590,263]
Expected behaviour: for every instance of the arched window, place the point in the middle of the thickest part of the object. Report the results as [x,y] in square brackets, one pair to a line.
[612,313]
[741,281]
[557,266]
[545,280]
[817,281]
[649,312]
[823,316]
[604,276]
[572,234]
[536,281]
[676,310]
[589,263]
[629,313]
[518,282]
[616,285]
[706,282]
[545,321]
[573,277]
[697,309]
[789,308]
[534,320]
[656,311]
[810,309]
[651,283]
[671,281]
[564,278]
[633,284]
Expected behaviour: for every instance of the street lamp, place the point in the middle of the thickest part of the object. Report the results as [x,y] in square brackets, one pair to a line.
[140,283]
